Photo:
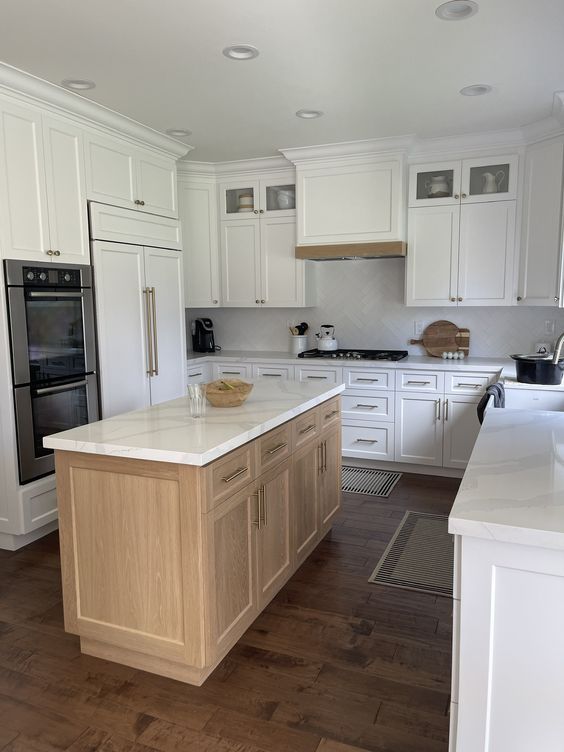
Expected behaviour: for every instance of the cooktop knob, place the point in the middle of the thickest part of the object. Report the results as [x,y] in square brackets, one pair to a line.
[43,276]
[30,275]
[67,277]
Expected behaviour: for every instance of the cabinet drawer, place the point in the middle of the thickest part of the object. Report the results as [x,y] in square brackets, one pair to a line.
[273,447]
[368,378]
[371,407]
[420,381]
[329,412]
[305,428]
[261,370]
[199,374]
[230,473]
[310,373]
[225,370]
[371,441]
[468,383]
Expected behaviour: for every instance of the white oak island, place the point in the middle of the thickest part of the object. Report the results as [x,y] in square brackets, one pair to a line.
[176,531]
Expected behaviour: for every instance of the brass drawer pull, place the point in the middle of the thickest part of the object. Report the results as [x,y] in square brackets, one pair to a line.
[366,441]
[236,474]
[469,386]
[308,428]
[330,415]
[418,383]
[277,448]
[366,407]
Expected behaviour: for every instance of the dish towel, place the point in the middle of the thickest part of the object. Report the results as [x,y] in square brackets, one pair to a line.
[497,392]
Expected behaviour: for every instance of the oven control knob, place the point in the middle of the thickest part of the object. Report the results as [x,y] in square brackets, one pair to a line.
[67,277]
[43,276]
[30,276]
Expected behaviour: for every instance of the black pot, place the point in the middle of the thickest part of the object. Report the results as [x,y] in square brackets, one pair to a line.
[538,369]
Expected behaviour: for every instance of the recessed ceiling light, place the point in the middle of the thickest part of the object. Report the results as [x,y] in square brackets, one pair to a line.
[476,90]
[457,10]
[241,52]
[178,132]
[78,84]
[308,114]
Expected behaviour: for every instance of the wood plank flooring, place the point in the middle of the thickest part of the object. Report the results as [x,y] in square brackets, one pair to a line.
[334,664]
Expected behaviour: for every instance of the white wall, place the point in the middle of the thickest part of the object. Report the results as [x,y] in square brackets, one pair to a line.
[364,300]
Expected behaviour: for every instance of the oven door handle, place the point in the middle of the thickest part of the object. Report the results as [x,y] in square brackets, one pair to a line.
[48,294]
[59,388]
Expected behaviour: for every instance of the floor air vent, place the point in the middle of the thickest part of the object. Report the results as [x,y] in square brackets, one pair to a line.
[364,480]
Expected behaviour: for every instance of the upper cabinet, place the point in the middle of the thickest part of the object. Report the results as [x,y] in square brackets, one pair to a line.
[43,200]
[540,268]
[121,174]
[268,195]
[461,232]
[353,200]
[466,181]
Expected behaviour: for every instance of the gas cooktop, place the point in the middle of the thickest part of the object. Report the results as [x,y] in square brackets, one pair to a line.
[355,354]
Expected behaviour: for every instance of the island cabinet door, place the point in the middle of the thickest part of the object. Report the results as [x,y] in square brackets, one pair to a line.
[231,564]
[307,469]
[329,478]
[273,533]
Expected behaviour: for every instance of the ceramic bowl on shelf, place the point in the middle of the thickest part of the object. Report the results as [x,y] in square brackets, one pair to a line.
[228,392]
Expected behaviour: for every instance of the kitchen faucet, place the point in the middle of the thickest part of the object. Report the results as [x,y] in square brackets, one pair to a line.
[558,348]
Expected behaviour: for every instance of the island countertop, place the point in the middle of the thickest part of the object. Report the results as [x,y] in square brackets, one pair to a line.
[513,487]
[167,433]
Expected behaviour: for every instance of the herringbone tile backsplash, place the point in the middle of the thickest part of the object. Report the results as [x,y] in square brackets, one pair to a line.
[364,301]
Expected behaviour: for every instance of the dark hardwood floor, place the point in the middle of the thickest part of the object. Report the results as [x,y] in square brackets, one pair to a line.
[333,664]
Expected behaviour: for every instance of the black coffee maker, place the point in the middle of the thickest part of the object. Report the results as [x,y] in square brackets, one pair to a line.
[202,336]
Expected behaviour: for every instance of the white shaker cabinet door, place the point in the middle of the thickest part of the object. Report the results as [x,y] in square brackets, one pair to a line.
[163,277]
[432,256]
[487,251]
[282,275]
[122,327]
[419,429]
[240,263]
[197,205]
[110,171]
[461,428]
[24,224]
[66,191]
[156,184]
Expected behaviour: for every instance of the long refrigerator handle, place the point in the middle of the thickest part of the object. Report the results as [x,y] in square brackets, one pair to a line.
[155,338]
[147,293]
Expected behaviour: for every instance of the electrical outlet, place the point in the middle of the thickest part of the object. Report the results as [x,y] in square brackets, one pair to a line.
[549,327]
[417,328]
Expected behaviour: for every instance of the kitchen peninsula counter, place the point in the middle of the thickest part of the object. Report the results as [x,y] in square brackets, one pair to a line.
[176,532]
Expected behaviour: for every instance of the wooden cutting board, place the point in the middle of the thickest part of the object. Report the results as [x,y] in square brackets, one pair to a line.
[444,336]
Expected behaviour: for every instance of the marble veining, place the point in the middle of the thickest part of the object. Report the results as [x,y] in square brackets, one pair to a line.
[513,487]
[167,433]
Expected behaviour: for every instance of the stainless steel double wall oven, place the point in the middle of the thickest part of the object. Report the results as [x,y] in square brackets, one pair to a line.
[52,332]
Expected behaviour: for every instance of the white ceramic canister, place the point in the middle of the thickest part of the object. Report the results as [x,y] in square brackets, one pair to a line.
[298,343]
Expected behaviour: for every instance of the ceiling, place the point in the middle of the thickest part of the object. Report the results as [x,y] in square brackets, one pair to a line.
[375,67]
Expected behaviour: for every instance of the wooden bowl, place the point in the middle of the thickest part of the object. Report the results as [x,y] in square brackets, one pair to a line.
[228,392]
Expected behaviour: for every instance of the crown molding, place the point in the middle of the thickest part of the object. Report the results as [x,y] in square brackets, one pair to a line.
[348,149]
[196,169]
[467,143]
[235,167]
[15,81]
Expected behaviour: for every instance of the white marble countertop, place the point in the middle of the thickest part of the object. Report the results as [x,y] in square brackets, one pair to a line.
[513,487]
[166,432]
[412,361]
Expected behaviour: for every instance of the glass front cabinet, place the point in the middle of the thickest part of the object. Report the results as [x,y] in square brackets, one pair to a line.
[467,181]
[273,196]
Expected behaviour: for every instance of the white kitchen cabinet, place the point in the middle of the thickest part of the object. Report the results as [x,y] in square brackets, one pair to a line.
[269,371]
[197,209]
[368,440]
[237,370]
[355,200]
[461,428]
[199,374]
[142,359]
[121,174]
[126,226]
[240,263]
[267,194]
[356,405]
[540,264]
[43,206]
[419,428]
[319,373]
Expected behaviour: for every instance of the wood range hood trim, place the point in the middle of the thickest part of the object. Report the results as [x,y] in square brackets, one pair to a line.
[350,251]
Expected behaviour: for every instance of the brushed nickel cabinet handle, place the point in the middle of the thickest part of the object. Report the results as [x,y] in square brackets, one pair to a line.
[446,410]
[457,195]
[453,300]
[194,375]
[438,409]
[468,386]
[263,301]
[464,195]
[215,302]
[231,373]
[142,203]
[255,211]
[149,335]
[277,448]
[317,377]
[272,375]
[49,253]
[418,383]
[56,253]
[261,211]
[155,338]
[519,298]
[366,407]
[366,441]
[257,301]
[460,300]
[236,474]
[371,381]
[307,429]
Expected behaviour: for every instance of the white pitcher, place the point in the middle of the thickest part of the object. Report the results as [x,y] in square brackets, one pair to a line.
[492,183]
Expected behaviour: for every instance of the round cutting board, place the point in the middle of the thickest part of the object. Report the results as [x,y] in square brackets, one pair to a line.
[443,336]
